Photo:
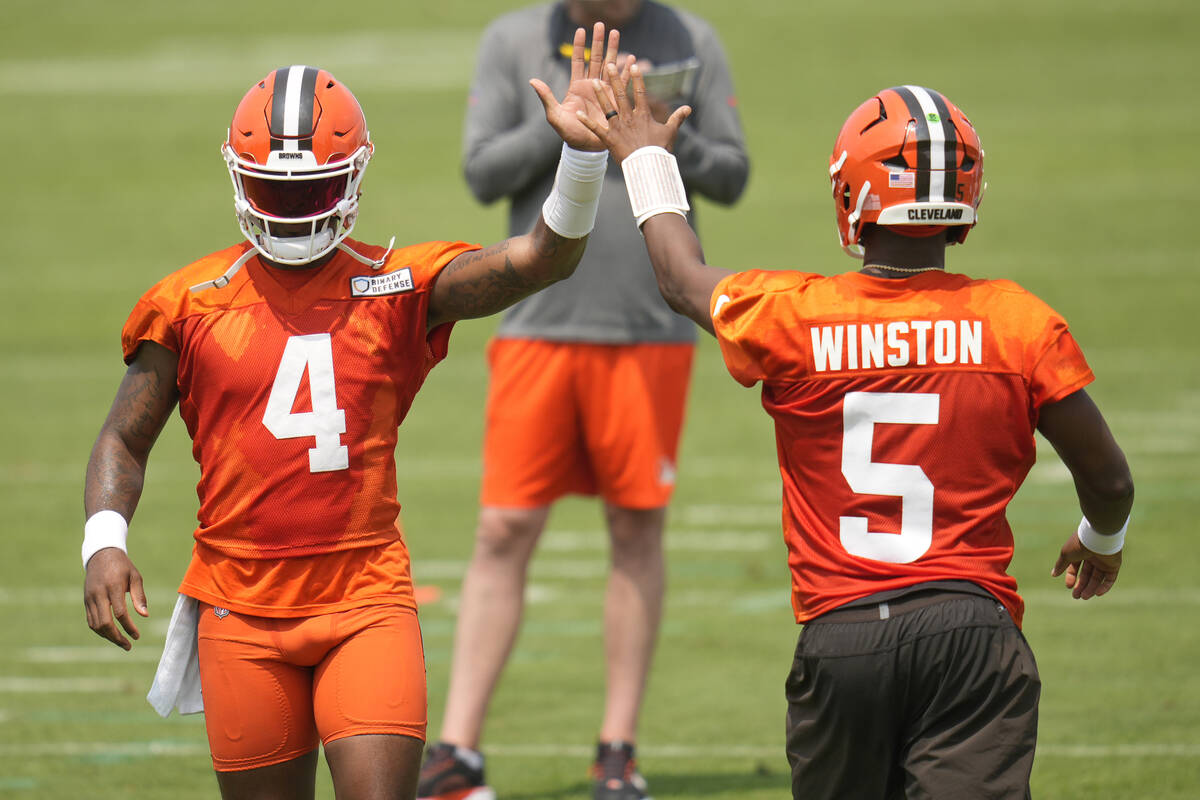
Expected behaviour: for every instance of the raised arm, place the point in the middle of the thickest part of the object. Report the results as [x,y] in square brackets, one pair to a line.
[483,282]
[656,192]
[1076,429]
[113,486]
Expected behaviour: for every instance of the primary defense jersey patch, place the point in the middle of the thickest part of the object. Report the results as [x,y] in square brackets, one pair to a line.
[378,285]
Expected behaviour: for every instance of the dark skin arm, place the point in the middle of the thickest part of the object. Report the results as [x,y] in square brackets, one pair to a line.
[115,474]
[684,280]
[1080,436]
[486,281]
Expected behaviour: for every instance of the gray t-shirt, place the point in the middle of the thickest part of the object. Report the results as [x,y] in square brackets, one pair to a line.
[511,151]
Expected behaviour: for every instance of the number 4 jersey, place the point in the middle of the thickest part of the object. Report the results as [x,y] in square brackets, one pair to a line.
[904,415]
[292,385]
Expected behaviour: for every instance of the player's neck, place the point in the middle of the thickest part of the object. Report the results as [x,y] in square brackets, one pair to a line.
[891,255]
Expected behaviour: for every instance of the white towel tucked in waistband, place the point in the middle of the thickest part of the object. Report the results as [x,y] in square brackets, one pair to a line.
[177,680]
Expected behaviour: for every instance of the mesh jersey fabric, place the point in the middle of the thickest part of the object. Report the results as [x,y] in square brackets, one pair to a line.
[292,387]
[904,414]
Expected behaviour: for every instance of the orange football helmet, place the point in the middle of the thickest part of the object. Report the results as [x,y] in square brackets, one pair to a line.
[906,157]
[296,150]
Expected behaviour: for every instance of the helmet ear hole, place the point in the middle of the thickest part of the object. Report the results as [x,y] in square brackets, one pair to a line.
[846,196]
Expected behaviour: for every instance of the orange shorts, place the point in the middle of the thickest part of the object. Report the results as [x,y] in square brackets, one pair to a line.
[573,418]
[274,686]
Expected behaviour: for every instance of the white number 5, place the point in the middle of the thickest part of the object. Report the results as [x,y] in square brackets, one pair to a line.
[860,412]
[326,422]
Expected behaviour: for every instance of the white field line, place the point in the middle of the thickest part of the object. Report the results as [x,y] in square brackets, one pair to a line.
[103,749]
[761,514]
[89,655]
[414,60]
[581,751]
[718,541]
[33,473]
[11,685]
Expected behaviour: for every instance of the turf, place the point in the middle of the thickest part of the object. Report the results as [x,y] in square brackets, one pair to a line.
[1088,112]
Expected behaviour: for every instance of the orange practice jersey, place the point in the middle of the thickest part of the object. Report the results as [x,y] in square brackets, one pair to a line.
[292,386]
[904,414]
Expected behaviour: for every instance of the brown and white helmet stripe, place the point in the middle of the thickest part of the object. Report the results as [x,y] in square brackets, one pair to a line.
[293,108]
[937,144]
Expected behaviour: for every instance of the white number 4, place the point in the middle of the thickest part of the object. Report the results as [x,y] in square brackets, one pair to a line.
[326,422]
[860,412]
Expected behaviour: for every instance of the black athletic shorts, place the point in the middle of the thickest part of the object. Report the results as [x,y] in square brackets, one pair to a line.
[931,695]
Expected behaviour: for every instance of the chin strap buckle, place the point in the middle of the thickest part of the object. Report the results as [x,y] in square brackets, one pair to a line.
[221,281]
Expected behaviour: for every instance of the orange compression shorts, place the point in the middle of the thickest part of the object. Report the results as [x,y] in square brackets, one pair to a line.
[274,686]
[574,418]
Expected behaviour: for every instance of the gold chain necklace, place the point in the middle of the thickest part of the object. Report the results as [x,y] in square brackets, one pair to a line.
[899,269]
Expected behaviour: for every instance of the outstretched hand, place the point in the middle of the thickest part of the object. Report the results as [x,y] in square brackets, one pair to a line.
[579,101]
[1088,574]
[623,128]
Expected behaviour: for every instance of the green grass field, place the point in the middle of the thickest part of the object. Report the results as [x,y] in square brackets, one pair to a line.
[1089,112]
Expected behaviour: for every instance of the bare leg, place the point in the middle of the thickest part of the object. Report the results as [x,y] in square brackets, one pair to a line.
[489,616]
[375,767]
[291,780]
[632,611]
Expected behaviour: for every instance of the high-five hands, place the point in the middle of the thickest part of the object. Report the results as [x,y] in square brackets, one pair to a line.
[569,118]
[623,128]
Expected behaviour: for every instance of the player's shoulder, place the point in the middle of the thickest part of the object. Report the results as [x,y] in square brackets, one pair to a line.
[417,264]
[176,288]
[759,293]
[421,253]
[770,281]
[1007,295]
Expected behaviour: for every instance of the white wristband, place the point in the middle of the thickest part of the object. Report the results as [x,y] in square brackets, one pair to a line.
[1102,544]
[103,529]
[570,210]
[654,184]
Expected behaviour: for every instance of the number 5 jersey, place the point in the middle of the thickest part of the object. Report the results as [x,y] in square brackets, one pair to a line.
[292,385]
[904,412]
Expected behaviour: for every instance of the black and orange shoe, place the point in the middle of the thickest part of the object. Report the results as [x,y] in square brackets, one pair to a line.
[452,773]
[614,773]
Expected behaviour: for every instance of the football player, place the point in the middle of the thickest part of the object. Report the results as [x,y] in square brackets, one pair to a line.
[293,357]
[905,400]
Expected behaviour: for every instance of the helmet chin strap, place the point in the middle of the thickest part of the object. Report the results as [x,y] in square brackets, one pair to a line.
[373,263]
[223,280]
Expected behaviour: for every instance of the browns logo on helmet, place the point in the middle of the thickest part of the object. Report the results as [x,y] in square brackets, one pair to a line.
[908,158]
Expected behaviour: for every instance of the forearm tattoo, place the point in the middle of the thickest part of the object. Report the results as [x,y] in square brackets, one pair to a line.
[487,291]
[117,469]
[550,246]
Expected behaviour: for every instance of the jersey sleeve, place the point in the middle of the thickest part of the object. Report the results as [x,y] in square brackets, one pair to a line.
[1060,370]
[755,323]
[148,322]
[435,256]
[1053,365]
